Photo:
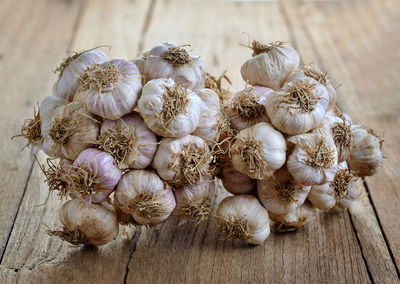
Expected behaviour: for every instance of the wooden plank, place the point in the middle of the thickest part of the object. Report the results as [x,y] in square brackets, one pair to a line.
[34,34]
[328,29]
[31,256]
[325,251]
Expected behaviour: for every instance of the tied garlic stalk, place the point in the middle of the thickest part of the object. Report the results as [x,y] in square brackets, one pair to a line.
[303,214]
[72,68]
[94,224]
[281,194]
[339,128]
[299,106]
[258,151]
[169,61]
[313,159]
[129,141]
[193,202]
[341,191]
[235,182]
[111,89]
[67,129]
[270,65]
[182,161]
[247,107]
[145,196]
[215,84]
[242,217]
[366,158]
[168,109]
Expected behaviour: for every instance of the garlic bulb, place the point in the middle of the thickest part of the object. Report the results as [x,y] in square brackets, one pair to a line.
[303,214]
[145,196]
[258,151]
[111,89]
[169,61]
[140,63]
[242,217]
[67,130]
[129,141]
[168,109]
[235,182]
[339,129]
[247,107]
[366,158]
[299,106]
[193,202]
[270,65]
[281,194]
[341,190]
[72,68]
[93,175]
[123,218]
[94,224]
[313,159]
[323,79]
[185,160]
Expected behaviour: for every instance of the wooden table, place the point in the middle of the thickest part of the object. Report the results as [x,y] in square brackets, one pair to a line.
[356,41]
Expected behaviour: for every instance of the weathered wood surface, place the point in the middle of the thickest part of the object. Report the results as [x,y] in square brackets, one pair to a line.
[355,40]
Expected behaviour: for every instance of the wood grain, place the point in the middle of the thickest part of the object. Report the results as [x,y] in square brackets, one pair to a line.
[34,34]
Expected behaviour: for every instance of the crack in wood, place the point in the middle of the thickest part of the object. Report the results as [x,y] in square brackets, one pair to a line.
[146,26]
[132,249]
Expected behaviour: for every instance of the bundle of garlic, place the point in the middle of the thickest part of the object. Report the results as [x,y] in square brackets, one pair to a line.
[138,142]
[130,142]
[295,152]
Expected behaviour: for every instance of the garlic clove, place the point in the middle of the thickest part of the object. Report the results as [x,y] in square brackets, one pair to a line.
[242,217]
[235,182]
[258,151]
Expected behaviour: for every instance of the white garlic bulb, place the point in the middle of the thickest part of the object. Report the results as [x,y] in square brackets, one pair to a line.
[281,194]
[339,129]
[140,63]
[72,68]
[258,151]
[95,224]
[129,141]
[366,158]
[67,130]
[303,214]
[111,89]
[242,217]
[185,160]
[271,64]
[235,182]
[299,106]
[313,159]
[341,190]
[193,202]
[169,61]
[145,196]
[247,107]
[168,109]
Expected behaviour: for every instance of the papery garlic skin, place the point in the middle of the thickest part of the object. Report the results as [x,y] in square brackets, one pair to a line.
[193,202]
[247,107]
[235,182]
[258,151]
[97,222]
[145,196]
[341,190]
[243,217]
[111,89]
[281,194]
[188,69]
[299,106]
[313,159]
[143,142]
[155,107]
[184,160]
[82,130]
[68,81]
[140,63]
[270,67]
[366,159]
[303,216]
[103,171]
